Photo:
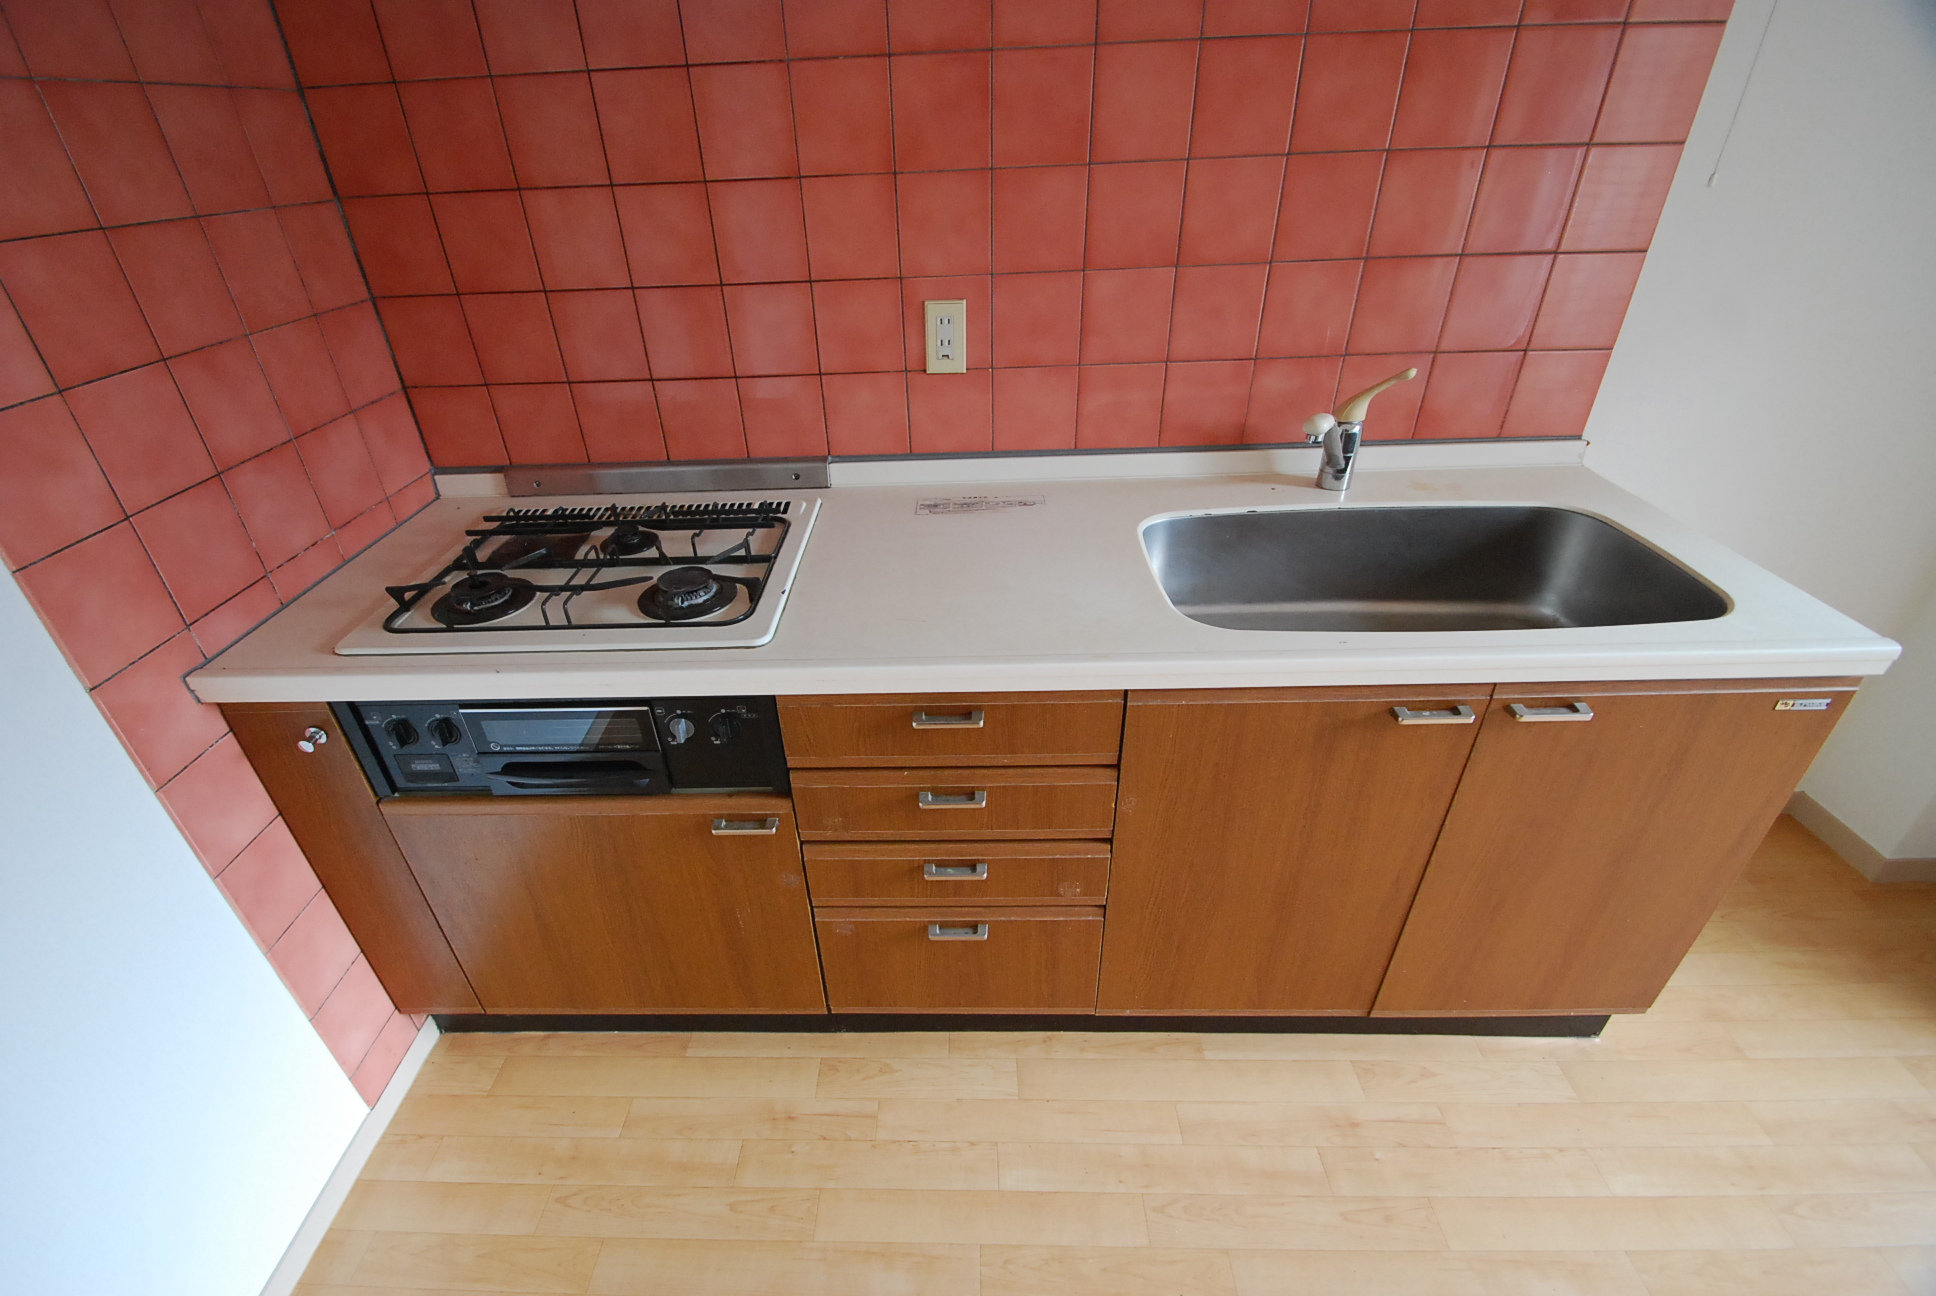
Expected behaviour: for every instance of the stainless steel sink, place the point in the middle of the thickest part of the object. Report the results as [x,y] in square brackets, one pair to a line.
[1483,567]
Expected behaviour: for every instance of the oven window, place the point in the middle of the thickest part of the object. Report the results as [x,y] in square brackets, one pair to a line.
[561,730]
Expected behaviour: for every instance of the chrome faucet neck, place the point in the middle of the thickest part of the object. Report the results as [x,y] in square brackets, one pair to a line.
[1340,442]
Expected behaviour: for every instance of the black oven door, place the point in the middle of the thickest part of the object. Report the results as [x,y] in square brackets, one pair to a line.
[567,750]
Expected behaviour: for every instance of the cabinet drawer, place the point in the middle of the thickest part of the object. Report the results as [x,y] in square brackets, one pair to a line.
[953,729]
[994,872]
[914,960]
[1067,801]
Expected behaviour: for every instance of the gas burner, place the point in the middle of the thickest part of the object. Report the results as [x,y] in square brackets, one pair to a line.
[521,549]
[687,593]
[628,538]
[482,597]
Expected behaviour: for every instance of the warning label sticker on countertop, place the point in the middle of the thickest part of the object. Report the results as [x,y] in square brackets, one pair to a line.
[976,503]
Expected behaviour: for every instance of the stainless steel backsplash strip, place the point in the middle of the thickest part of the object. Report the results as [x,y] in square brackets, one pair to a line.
[656,478]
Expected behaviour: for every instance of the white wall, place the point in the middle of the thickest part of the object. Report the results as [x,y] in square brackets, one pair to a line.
[1774,384]
[167,1116]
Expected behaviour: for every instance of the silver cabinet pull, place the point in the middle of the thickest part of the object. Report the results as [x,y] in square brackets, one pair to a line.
[1550,715]
[957,931]
[312,739]
[937,872]
[966,720]
[952,800]
[745,827]
[1450,715]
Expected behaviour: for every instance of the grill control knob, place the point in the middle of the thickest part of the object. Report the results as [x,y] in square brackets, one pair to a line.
[680,728]
[444,731]
[725,726]
[401,731]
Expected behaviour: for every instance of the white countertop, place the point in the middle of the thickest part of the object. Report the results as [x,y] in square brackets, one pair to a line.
[1056,595]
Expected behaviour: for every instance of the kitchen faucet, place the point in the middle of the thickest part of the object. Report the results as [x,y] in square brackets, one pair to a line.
[1340,434]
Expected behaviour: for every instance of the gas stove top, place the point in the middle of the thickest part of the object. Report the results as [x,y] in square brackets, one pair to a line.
[612,576]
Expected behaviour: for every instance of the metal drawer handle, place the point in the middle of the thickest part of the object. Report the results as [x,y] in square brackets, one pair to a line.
[936,872]
[966,720]
[1550,715]
[957,931]
[745,827]
[1451,715]
[952,800]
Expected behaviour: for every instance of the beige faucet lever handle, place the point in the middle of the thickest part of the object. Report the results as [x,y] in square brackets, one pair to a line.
[1353,410]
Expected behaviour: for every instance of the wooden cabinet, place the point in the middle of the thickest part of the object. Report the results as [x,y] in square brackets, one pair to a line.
[1012,802]
[958,872]
[953,729]
[960,959]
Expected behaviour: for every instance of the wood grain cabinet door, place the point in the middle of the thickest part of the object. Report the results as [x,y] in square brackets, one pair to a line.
[1583,856]
[1268,843]
[619,904]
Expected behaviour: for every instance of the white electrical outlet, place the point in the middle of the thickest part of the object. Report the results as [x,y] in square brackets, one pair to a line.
[947,330]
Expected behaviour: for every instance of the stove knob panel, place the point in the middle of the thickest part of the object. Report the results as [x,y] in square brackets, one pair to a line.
[401,732]
[680,729]
[444,731]
[725,726]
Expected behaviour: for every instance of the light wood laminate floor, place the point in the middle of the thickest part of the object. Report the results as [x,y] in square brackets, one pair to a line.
[1769,1128]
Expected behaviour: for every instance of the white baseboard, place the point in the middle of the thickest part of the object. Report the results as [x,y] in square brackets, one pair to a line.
[302,1248]
[1846,842]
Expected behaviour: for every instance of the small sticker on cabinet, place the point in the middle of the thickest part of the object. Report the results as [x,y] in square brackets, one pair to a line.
[1803,704]
[936,504]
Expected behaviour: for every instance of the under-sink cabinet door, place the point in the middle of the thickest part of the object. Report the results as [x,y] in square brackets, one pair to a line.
[619,904]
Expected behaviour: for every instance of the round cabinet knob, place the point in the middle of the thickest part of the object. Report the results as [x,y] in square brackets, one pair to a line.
[680,729]
[444,731]
[725,726]
[312,739]
[401,732]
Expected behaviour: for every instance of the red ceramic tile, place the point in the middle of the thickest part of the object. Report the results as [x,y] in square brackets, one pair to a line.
[22,375]
[1040,218]
[1657,83]
[233,408]
[302,572]
[487,242]
[43,195]
[178,284]
[1494,300]
[314,954]
[771,326]
[760,229]
[1038,320]
[1044,22]
[841,116]
[458,135]
[1573,11]
[938,24]
[53,492]
[1586,299]
[975,290]
[167,41]
[835,28]
[278,128]
[1680,10]
[1041,106]
[379,1065]
[1245,89]
[646,118]
[945,222]
[950,413]
[236,617]
[1216,312]
[1135,214]
[1283,393]
[269,883]
[1401,303]
[784,417]
[197,543]
[277,503]
[668,234]
[1360,15]
[1119,406]
[301,374]
[1395,416]
[685,332]
[1451,89]
[745,115]
[219,805]
[431,341]
[414,498]
[324,258]
[399,244]
[941,111]
[631,33]
[514,338]
[76,305]
[1255,17]
[365,139]
[575,234]
[1466,13]
[1134,20]
[1035,409]
[141,435]
[1348,92]
[1425,200]
[1204,403]
[858,322]
[867,413]
[248,42]
[1327,205]
[117,146]
[205,134]
[1126,315]
[852,230]
[333,42]
[1622,190]
[258,266]
[72,38]
[1554,84]
[459,427]
[1523,199]
[157,719]
[353,1016]
[551,125]
[12,62]
[1307,311]
[365,529]
[1467,395]
[361,352]
[395,447]
[530,35]
[1143,100]
[431,38]
[701,419]
[619,421]
[539,423]
[598,332]
[1555,393]
[732,31]
[102,601]
[1230,210]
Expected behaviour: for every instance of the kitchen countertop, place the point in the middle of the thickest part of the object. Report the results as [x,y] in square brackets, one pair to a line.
[1054,594]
